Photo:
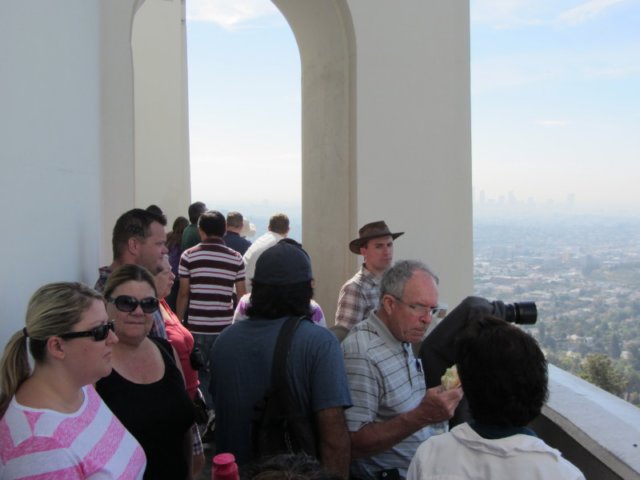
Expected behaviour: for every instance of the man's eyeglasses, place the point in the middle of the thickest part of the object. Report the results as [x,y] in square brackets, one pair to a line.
[127,303]
[420,309]
[99,333]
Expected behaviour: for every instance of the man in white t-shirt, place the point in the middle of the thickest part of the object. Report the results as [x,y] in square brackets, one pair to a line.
[278,229]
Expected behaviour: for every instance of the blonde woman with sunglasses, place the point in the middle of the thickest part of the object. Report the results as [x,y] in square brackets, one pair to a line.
[53,423]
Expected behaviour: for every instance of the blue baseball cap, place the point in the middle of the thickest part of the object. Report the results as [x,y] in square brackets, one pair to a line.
[285,263]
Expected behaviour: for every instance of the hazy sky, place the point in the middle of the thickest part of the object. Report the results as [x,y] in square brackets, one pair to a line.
[244,106]
[555,102]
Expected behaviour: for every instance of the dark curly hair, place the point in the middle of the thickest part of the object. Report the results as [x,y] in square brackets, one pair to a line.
[276,301]
[287,466]
[503,372]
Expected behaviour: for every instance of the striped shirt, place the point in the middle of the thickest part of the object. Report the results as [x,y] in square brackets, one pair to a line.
[90,443]
[385,380]
[358,297]
[212,269]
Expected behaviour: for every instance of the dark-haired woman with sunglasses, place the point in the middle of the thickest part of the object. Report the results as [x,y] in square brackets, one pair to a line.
[146,389]
[54,424]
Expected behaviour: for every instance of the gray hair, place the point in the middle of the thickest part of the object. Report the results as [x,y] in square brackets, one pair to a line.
[394,280]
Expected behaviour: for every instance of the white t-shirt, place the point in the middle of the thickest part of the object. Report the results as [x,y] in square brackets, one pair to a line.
[463,454]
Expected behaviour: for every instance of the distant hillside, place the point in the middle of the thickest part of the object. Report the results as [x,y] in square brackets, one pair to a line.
[584,275]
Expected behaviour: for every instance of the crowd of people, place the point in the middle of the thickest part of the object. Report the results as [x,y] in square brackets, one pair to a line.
[176,345]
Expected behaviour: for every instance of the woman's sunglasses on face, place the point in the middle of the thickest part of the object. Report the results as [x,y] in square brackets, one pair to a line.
[99,333]
[127,303]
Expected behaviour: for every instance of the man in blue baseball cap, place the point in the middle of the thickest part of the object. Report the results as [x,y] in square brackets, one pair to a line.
[243,355]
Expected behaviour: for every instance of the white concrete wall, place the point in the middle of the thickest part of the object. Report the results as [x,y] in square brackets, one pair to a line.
[605,427]
[385,109]
[116,128]
[161,107]
[414,132]
[386,134]
[66,142]
[49,149]
[324,35]
[392,123]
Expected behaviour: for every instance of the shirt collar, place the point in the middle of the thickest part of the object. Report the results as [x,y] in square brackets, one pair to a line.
[493,431]
[383,331]
[369,276]
[213,240]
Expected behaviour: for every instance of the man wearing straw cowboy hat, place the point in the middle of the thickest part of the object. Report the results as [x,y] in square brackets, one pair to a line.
[360,295]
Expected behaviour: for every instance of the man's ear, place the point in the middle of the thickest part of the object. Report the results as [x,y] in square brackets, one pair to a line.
[387,303]
[133,244]
[55,347]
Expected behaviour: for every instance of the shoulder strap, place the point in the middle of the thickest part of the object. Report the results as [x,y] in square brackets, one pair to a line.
[279,381]
[164,346]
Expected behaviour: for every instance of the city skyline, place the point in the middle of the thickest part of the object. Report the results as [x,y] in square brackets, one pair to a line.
[555,101]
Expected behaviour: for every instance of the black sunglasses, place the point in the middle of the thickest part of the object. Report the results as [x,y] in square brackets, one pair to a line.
[127,303]
[98,333]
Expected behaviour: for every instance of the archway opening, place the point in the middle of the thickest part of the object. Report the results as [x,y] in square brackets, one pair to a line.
[324,35]
[244,110]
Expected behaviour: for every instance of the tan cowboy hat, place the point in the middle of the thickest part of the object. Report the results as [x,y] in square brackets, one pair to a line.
[369,231]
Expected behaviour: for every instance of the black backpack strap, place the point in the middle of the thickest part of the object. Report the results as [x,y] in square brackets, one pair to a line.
[279,382]
[278,425]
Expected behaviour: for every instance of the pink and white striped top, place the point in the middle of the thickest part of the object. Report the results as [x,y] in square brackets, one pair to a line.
[90,443]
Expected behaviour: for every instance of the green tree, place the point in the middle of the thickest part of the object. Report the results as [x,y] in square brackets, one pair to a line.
[599,370]
[633,387]
[570,363]
[633,347]
[615,346]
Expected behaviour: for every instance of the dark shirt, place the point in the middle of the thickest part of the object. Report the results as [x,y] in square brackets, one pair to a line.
[158,414]
[235,241]
[190,237]
[240,376]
